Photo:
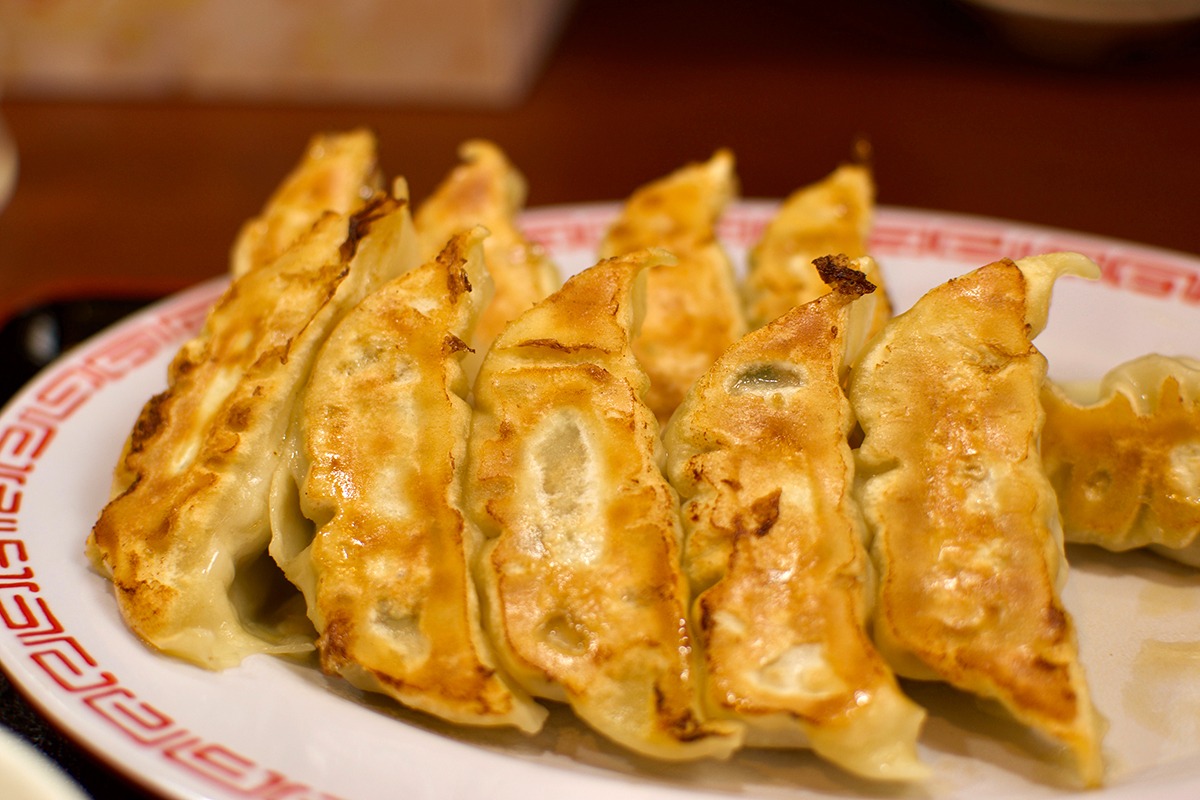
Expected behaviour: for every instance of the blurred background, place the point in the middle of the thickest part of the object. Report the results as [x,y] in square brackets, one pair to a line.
[147,131]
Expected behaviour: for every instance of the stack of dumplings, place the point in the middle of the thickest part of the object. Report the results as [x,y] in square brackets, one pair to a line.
[186,533]
[703,512]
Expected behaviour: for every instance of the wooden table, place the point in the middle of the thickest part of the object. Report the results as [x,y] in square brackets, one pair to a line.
[139,197]
[142,198]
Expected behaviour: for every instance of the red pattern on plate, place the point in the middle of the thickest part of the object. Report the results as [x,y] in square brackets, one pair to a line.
[1135,269]
[896,232]
[63,659]
[57,654]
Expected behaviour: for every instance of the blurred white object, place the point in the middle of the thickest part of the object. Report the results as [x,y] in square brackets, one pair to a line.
[27,774]
[1087,30]
[441,51]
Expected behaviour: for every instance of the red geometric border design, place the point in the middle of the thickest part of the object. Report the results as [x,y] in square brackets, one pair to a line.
[1135,269]
[897,232]
[568,228]
[581,228]
[56,653]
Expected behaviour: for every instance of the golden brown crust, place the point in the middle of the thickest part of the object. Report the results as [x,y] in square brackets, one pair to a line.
[693,310]
[486,189]
[382,432]
[833,215]
[839,274]
[337,174]
[586,599]
[965,525]
[758,453]
[189,509]
[1123,465]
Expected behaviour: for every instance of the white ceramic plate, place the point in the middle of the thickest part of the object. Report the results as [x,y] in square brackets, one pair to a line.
[274,730]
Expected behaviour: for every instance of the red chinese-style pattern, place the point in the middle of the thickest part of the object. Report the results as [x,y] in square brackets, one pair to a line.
[57,654]
[915,234]
[1132,268]
[29,427]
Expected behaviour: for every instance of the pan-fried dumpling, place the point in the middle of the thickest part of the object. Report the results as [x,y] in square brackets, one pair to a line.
[1125,461]
[833,215]
[966,536]
[693,309]
[487,190]
[586,599]
[775,544]
[338,172]
[185,537]
[367,511]
[321,241]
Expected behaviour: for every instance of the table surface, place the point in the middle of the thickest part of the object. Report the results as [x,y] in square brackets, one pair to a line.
[140,198]
[147,196]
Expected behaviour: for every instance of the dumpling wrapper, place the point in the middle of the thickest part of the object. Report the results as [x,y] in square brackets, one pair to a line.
[965,527]
[337,173]
[693,309]
[1125,460]
[486,189]
[367,508]
[586,599]
[833,215]
[775,545]
[185,537]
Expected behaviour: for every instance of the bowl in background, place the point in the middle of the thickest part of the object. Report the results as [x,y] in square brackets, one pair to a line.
[1087,31]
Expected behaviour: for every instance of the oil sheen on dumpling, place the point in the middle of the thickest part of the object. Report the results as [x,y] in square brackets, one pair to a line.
[966,533]
[775,545]
[485,189]
[367,511]
[337,173]
[184,538]
[833,215]
[1125,460]
[586,598]
[693,309]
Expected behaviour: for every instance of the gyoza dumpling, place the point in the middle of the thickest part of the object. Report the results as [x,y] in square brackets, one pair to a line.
[965,526]
[337,173]
[376,467]
[185,537]
[833,215]
[693,310]
[585,596]
[775,544]
[1125,461]
[487,190]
